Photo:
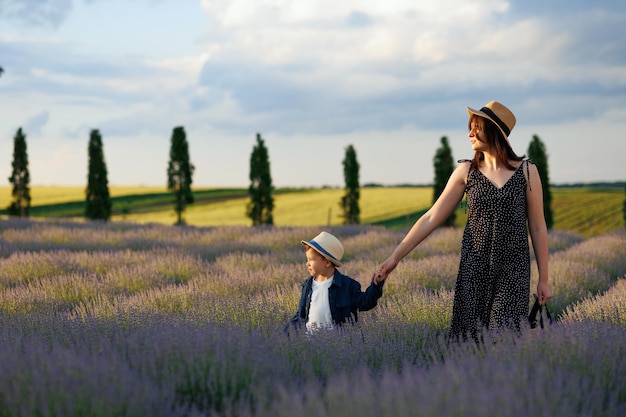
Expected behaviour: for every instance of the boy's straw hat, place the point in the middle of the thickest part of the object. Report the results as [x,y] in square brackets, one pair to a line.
[499,114]
[328,246]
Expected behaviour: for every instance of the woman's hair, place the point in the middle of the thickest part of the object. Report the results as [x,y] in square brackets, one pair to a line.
[495,138]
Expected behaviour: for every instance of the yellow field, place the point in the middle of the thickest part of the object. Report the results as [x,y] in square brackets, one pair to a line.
[589,213]
[586,210]
[42,195]
[306,208]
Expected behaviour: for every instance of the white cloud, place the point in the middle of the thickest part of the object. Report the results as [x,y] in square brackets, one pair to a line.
[35,12]
[304,71]
[35,124]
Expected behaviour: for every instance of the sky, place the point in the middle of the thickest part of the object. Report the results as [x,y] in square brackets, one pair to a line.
[390,78]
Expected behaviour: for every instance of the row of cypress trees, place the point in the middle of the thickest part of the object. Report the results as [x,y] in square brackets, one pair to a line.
[97,198]
[180,170]
[260,207]
[261,204]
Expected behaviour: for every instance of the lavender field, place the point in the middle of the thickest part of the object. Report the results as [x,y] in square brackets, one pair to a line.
[150,320]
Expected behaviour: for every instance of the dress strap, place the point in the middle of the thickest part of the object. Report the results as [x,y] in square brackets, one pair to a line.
[527,161]
[469,169]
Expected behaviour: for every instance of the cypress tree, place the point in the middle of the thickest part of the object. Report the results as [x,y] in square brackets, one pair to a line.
[98,201]
[624,207]
[538,155]
[350,201]
[20,177]
[180,172]
[261,204]
[443,163]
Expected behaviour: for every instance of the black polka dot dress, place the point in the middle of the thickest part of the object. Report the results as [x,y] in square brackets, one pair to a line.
[493,284]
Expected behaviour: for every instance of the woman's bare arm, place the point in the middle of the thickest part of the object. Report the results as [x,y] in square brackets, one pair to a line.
[434,217]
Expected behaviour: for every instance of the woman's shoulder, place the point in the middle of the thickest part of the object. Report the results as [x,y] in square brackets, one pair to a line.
[463,168]
[526,164]
[464,164]
[528,169]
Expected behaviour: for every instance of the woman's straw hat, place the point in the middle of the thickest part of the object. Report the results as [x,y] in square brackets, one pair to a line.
[328,246]
[499,114]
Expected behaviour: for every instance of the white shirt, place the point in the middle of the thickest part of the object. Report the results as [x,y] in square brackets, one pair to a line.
[319,311]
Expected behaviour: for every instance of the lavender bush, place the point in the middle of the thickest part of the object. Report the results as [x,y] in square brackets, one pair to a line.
[585,269]
[116,319]
[568,370]
[608,307]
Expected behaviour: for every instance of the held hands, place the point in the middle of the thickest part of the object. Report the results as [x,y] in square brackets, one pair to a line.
[384,269]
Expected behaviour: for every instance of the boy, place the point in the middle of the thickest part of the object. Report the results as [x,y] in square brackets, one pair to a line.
[330,298]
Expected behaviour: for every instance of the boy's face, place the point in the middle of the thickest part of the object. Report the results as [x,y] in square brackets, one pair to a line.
[316,264]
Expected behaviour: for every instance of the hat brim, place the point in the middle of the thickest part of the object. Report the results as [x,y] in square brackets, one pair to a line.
[321,251]
[471,111]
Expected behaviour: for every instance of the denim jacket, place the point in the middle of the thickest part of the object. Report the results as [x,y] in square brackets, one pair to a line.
[345,298]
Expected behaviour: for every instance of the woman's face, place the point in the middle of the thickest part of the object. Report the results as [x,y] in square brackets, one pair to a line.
[476,134]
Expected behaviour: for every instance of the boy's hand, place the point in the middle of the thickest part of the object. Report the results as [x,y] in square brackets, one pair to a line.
[378,278]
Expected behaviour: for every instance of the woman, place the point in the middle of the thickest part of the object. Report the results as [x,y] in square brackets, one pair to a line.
[504,193]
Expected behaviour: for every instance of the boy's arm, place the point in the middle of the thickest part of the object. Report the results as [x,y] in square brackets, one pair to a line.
[369,299]
[293,322]
[298,318]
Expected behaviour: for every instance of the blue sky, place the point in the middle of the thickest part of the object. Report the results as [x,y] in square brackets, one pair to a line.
[388,77]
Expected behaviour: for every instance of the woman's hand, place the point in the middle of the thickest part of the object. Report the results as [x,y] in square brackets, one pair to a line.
[543,293]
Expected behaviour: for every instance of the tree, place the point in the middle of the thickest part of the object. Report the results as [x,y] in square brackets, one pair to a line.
[538,155]
[443,163]
[20,177]
[261,202]
[1,70]
[180,172]
[350,200]
[624,208]
[98,202]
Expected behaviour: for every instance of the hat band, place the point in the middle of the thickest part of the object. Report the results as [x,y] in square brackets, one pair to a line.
[496,119]
[321,249]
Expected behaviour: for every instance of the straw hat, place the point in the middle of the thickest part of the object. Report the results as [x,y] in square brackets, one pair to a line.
[499,114]
[328,246]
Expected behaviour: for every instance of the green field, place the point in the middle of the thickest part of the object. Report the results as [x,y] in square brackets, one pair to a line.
[588,210]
